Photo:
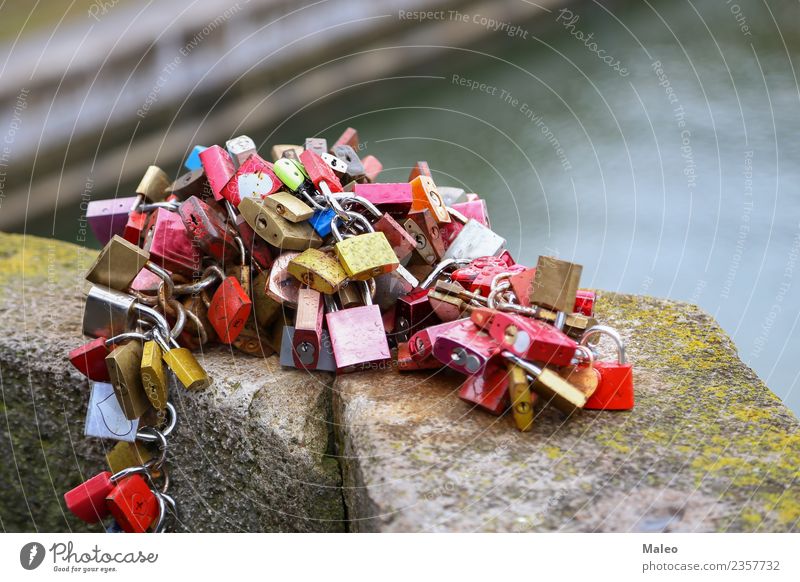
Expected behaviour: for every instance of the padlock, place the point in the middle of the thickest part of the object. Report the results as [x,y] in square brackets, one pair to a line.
[184,365]
[582,375]
[240,148]
[584,302]
[413,312]
[107,313]
[105,418]
[209,230]
[447,306]
[135,226]
[229,309]
[281,285]
[132,504]
[390,287]
[615,386]
[319,270]
[318,145]
[219,169]
[193,183]
[350,294]
[321,221]
[320,174]
[287,151]
[555,284]
[338,166]
[364,256]
[357,334]
[372,167]
[423,228]
[90,358]
[420,345]
[107,218]
[87,501]
[475,210]
[289,206]
[325,361]
[254,178]
[170,245]
[521,397]
[153,185]
[305,343]
[355,169]
[521,284]
[349,137]
[420,169]
[117,264]
[124,455]
[154,377]
[451,195]
[124,370]
[276,230]
[251,340]
[525,337]
[465,348]
[425,197]
[488,390]
[474,241]
[193,159]
[551,388]
[265,308]
[402,243]
[394,198]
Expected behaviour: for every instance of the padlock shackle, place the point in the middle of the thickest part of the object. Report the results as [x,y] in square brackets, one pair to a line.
[438,271]
[529,367]
[588,354]
[354,216]
[610,332]
[159,319]
[172,417]
[128,335]
[169,284]
[150,206]
[353,198]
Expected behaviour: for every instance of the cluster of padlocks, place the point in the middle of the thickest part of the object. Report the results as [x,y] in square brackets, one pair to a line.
[308,256]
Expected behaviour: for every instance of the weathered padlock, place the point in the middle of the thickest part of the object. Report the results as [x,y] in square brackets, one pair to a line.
[425,197]
[254,178]
[582,374]
[124,370]
[124,455]
[105,418]
[119,263]
[87,501]
[255,246]
[421,168]
[413,313]
[209,230]
[319,270]
[170,245]
[488,390]
[153,185]
[473,241]
[364,256]
[425,231]
[288,151]
[281,285]
[551,388]
[133,505]
[320,174]
[402,243]
[229,309]
[219,169]
[276,230]
[448,306]
[107,218]
[357,334]
[522,399]
[394,198]
[184,365]
[192,183]
[90,358]
[240,148]
[615,385]
[289,206]
[318,145]
[307,336]
[107,313]
[465,348]
[349,137]
[372,167]
[355,169]
[555,284]
[265,308]
[154,377]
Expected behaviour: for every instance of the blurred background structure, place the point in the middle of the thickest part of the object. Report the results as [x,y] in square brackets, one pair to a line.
[653,141]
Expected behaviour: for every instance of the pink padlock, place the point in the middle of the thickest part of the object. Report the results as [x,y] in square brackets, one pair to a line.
[253,179]
[219,168]
[109,217]
[465,348]
[394,198]
[474,209]
[357,334]
[170,246]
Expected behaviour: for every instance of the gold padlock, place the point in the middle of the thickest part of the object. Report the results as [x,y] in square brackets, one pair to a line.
[276,230]
[583,376]
[520,394]
[286,151]
[364,256]
[125,454]
[154,184]
[552,388]
[555,284]
[123,369]
[184,365]
[289,206]
[318,270]
[265,308]
[117,264]
[154,377]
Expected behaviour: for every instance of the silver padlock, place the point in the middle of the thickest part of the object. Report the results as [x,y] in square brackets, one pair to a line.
[108,313]
[325,362]
[475,241]
[105,418]
[334,163]
[240,148]
[450,194]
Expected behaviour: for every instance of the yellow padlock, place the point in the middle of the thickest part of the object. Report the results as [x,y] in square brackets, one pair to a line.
[275,229]
[318,270]
[364,256]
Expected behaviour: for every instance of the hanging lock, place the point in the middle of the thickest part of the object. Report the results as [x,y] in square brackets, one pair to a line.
[522,399]
[357,334]
[615,385]
[108,313]
[488,390]
[425,197]
[170,245]
[154,377]
[318,145]
[107,218]
[276,230]
[192,183]
[320,173]
[282,286]
[254,178]
[229,309]
[394,198]
[213,234]
[420,345]
[153,185]
[319,270]
[355,169]
[402,243]
[363,256]
[306,340]
[372,167]
[87,501]
[240,148]
[131,502]
[90,358]
[582,375]
[105,418]
[285,151]
[124,370]
[289,206]
[183,364]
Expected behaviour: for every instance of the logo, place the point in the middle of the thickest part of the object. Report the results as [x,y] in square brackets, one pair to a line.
[31,555]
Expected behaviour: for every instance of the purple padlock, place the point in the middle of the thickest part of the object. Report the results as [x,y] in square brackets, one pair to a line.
[109,217]
[465,348]
[357,334]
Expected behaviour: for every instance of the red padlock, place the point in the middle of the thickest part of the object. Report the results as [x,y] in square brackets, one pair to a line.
[219,168]
[479,274]
[134,227]
[210,231]
[615,388]
[253,179]
[420,346]
[256,246]
[319,172]
[133,505]
[170,245]
[413,312]
[372,167]
[306,341]
[584,302]
[87,501]
[475,210]
[229,309]
[465,348]
[488,390]
[90,359]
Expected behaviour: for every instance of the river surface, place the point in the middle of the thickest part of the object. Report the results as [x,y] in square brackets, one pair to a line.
[670,168]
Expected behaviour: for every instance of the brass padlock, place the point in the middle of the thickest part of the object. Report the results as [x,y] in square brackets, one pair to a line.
[154,377]
[289,206]
[265,308]
[154,184]
[276,230]
[283,150]
[423,228]
[364,256]
[184,365]
[551,387]
[319,270]
[125,454]
[555,284]
[583,376]
[117,264]
[520,394]
[123,369]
